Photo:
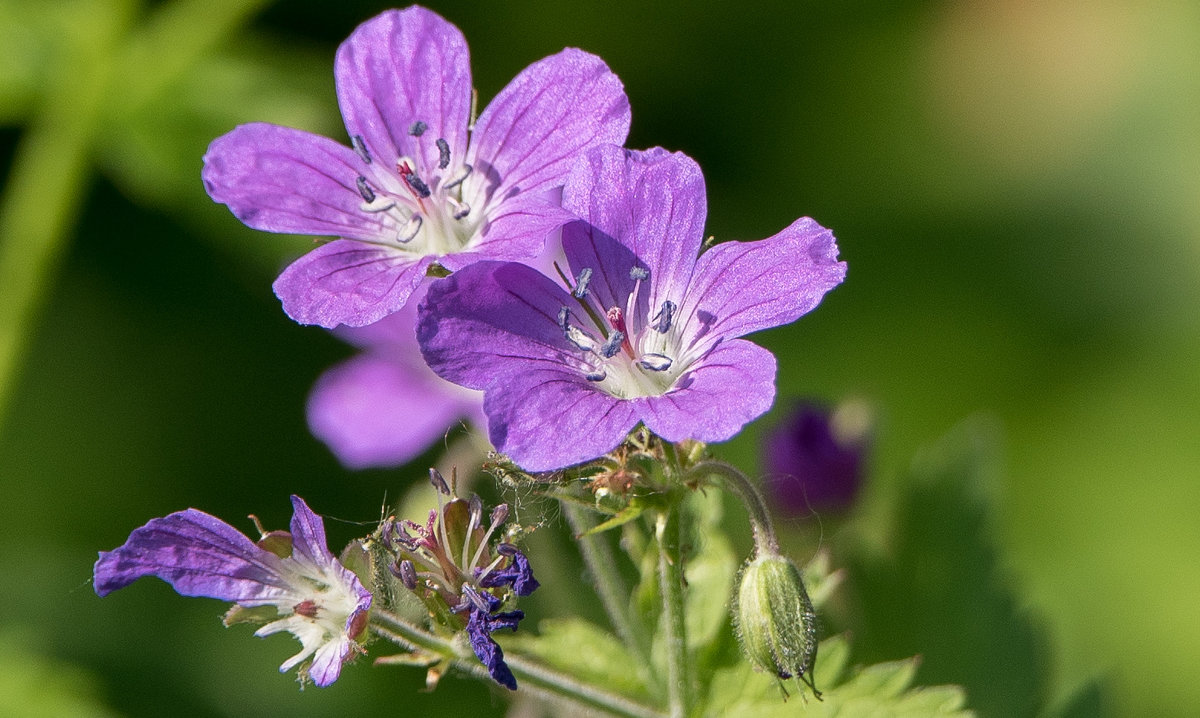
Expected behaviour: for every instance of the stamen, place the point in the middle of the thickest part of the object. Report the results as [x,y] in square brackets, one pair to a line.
[476,599]
[638,273]
[475,511]
[581,284]
[461,209]
[664,316]
[418,185]
[418,128]
[655,362]
[409,230]
[407,574]
[443,153]
[364,189]
[457,178]
[360,147]
[580,338]
[613,345]
[499,514]
[597,376]
[483,574]
[506,549]
[438,481]
[563,315]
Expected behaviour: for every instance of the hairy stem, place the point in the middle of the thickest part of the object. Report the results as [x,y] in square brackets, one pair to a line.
[670,580]
[740,484]
[611,588]
[539,679]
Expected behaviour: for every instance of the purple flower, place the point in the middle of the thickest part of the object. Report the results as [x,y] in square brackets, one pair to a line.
[385,406]
[484,618]
[418,183]
[318,600]
[642,328]
[813,458]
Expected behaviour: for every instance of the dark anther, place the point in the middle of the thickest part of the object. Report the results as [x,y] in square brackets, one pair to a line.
[443,153]
[463,210]
[418,128]
[364,189]
[475,509]
[406,572]
[506,549]
[664,316]
[439,483]
[361,148]
[612,346]
[581,284]
[499,514]
[417,184]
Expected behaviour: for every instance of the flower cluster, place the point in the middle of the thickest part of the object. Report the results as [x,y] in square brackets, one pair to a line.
[451,564]
[614,321]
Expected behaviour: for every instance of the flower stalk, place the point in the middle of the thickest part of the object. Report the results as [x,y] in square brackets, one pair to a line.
[543,680]
[610,587]
[765,541]
[670,580]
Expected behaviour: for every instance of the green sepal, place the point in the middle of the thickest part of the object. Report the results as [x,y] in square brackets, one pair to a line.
[256,614]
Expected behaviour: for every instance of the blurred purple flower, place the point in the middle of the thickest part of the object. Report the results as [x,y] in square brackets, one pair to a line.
[648,330]
[814,459]
[385,406]
[317,600]
[419,183]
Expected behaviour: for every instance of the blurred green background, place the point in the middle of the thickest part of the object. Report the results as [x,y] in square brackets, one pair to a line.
[1015,186]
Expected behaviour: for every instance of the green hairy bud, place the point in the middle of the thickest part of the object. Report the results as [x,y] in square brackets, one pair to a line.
[774,619]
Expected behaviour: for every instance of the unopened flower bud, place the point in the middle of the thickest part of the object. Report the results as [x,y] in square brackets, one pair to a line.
[774,619]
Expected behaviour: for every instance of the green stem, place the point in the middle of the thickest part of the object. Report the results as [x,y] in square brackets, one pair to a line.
[611,588]
[48,177]
[541,680]
[670,580]
[760,518]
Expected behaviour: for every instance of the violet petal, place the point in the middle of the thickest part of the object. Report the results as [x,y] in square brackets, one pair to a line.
[489,320]
[731,386]
[546,419]
[399,68]
[373,410]
[346,282]
[199,555]
[530,134]
[658,214]
[748,286]
[277,179]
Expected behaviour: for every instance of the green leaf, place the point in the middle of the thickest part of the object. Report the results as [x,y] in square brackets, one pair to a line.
[710,570]
[627,514]
[883,689]
[561,643]
[935,586]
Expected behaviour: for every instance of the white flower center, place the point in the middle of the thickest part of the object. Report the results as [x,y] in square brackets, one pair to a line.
[422,210]
[627,352]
